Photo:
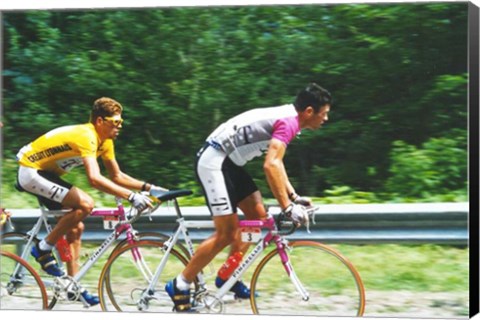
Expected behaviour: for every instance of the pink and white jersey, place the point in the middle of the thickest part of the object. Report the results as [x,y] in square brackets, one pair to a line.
[248,135]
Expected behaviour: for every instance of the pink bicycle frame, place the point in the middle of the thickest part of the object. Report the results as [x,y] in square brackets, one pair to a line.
[269,224]
[119,213]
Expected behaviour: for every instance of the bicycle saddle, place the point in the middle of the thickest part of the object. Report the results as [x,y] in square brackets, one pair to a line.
[171,194]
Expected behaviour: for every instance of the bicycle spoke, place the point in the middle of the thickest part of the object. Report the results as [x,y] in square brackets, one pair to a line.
[21,288]
[16,243]
[123,283]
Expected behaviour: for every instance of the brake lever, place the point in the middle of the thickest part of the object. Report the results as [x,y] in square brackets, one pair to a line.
[10,223]
[311,214]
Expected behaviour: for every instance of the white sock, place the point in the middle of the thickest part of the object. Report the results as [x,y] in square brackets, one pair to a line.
[45,246]
[182,284]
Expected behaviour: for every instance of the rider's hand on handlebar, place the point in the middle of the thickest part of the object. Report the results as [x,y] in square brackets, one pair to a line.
[297,213]
[140,201]
[304,201]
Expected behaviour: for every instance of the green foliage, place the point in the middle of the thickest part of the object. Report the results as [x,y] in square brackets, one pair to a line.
[438,167]
[345,194]
[397,72]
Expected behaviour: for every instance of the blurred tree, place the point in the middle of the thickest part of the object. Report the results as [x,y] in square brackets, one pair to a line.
[397,72]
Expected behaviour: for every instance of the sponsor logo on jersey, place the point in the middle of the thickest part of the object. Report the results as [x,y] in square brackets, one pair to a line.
[49,152]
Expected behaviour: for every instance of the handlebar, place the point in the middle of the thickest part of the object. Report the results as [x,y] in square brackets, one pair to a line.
[282,222]
[158,197]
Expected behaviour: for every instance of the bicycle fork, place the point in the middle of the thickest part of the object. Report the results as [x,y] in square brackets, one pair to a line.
[282,246]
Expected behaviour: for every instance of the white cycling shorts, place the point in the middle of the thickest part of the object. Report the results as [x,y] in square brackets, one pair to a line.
[223,182]
[43,184]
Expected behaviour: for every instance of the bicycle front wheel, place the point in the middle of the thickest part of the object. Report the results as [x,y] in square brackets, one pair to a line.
[21,286]
[127,274]
[333,285]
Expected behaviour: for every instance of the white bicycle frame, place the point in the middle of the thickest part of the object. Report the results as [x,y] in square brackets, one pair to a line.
[261,245]
[94,257]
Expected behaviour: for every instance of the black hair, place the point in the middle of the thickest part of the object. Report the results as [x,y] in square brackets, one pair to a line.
[312,96]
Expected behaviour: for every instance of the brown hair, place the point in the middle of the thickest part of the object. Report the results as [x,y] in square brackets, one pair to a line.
[104,107]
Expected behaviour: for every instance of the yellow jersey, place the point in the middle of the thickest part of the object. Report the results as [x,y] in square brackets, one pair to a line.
[62,149]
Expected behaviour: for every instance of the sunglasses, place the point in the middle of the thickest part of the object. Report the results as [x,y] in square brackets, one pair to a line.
[115,120]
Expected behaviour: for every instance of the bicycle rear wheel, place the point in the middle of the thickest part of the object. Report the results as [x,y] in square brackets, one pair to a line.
[21,286]
[16,243]
[124,280]
[332,282]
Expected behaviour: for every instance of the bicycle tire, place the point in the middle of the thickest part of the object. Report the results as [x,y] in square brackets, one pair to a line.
[14,237]
[122,282]
[26,290]
[149,235]
[48,280]
[334,285]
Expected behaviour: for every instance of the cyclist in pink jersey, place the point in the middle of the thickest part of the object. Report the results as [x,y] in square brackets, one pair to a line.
[43,161]
[227,186]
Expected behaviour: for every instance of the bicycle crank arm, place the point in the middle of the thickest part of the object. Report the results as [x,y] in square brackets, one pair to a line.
[207,301]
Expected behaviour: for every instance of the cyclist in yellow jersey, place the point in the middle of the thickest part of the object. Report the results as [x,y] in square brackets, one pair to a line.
[62,149]
[43,161]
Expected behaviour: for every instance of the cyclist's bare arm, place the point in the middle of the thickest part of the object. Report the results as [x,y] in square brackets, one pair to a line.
[98,181]
[122,178]
[276,174]
[288,185]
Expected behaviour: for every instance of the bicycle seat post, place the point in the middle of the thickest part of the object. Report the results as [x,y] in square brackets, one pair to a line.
[177,208]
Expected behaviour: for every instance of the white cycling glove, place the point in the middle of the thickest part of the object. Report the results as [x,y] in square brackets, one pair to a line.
[139,201]
[154,188]
[297,213]
[156,191]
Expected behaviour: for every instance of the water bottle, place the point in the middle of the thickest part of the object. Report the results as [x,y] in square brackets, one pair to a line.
[230,265]
[64,250]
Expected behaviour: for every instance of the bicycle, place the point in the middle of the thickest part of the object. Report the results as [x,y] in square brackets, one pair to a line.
[68,288]
[21,288]
[329,285]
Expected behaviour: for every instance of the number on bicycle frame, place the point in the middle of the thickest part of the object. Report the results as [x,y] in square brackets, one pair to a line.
[251,235]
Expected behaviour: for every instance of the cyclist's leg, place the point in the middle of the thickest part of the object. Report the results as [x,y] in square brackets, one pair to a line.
[70,225]
[253,209]
[74,238]
[52,192]
[237,186]
[211,175]
[225,229]
[56,193]
[225,185]
[179,288]
[82,205]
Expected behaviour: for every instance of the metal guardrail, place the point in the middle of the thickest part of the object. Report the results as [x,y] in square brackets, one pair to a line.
[436,223]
